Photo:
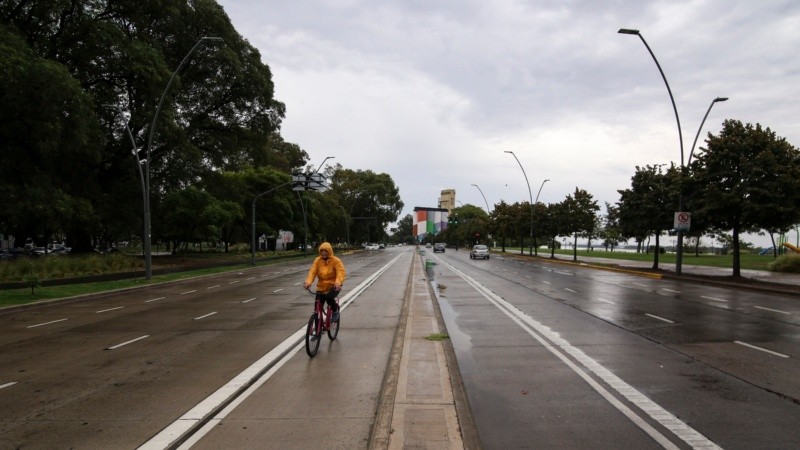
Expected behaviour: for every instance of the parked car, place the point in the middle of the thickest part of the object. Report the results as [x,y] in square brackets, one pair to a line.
[59,249]
[479,251]
[438,247]
[371,247]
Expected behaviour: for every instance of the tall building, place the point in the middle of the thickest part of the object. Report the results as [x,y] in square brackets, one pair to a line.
[448,200]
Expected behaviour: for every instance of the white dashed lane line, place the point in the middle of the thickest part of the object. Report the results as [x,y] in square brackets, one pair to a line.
[773,310]
[606,301]
[128,342]
[154,299]
[249,300]
[714,298]
[570,290]
[277,290]
[671,290]
[206,315]
[658,318]
[109,309]
[755,347]
[11,383]
[46,323]
[213,287]
[189,292]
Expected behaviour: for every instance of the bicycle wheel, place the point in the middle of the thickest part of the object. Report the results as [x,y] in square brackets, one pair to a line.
[312,336]
[333,331]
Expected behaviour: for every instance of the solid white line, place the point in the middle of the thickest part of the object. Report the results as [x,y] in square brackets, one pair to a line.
[109,309]
[188,292]
[234,282]
[154,299]
[762,349]
[128,342]
[212,287]
[292,345]
[659,318]
[46,323]
[278,290]
[3,386]
[773,310]
[570,290]
[606,301]
[203,317]
[714,298]
[545,336]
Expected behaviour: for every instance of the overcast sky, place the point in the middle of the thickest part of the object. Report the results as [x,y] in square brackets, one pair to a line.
[434,92]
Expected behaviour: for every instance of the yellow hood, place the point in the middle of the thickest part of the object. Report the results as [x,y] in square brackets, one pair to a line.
[326,246]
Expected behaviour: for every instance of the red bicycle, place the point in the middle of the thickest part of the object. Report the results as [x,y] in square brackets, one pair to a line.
[320,322]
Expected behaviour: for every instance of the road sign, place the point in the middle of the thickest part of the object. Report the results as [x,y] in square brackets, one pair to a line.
[683,220]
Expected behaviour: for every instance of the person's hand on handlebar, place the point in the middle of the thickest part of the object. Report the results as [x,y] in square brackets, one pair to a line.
[337,287]
[306,285]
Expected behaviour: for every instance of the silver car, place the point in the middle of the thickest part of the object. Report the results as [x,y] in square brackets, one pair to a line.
[479,251]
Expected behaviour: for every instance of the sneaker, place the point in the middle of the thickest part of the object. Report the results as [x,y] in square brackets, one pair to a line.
[313,338]
[335,317]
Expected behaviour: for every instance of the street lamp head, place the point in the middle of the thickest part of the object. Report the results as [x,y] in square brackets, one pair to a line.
[720,99]
[628,31]
[212,39]
[508,151]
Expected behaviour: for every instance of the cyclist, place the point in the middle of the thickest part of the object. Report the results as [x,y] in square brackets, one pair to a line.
[330,273]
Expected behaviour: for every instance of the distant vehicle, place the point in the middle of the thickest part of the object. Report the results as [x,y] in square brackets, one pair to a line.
[59,249]
[39,251]
[428,245]
[479,251]
[371,247]
[381,246]
[438,247]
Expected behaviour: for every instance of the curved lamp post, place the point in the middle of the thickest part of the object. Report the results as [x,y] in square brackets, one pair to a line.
[484,198]
[521,250]
[679,256]
[691,152]
[148,261]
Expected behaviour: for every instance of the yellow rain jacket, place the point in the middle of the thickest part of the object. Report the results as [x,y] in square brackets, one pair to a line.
[327,271]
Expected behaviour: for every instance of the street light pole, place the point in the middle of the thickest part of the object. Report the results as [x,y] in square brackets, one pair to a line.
[536,202]
[304,207]
[347,227]
[484,198]
[679,256]
[531,199]
[691,152]
[148,260]
[253,224]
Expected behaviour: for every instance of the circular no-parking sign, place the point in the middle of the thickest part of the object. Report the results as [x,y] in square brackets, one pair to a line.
[682,220]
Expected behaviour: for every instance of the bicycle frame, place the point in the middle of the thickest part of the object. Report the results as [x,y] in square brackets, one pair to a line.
[320,323]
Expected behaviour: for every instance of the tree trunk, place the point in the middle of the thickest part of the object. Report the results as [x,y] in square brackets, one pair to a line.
[656,252]
[575,247]
[737,273]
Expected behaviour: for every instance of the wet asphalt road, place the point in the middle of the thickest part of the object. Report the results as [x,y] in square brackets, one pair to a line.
[550,355]
[558,356]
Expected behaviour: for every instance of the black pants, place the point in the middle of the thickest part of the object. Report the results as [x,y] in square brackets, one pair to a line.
[329,298]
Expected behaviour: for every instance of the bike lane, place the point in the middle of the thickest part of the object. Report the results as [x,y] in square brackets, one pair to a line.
[329,400]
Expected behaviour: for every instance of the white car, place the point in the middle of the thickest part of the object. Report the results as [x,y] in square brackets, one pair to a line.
[371,247]
[479,251]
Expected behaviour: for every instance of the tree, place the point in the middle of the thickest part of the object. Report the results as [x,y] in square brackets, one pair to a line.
[647,208]
[747,179]
[580,211]
[372,201]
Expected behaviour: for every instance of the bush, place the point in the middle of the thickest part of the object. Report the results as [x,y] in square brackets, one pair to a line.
[785,263]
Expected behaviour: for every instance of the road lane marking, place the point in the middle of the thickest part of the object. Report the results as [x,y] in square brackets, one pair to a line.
[671,290]
[606,301]
[109,309]
[189,292]
[212,287]
[197,422]
[46,323]
[560,348]
[277,290]
[204,316]
[128,342]
[773,310]
[545,282]
[642,285]
[659,318]
[251,278]
[714,298]
[570,290]
[298,283]
[154,299]
[528,277]
[11,383]
[234,282]
[755,347]
[249,300]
